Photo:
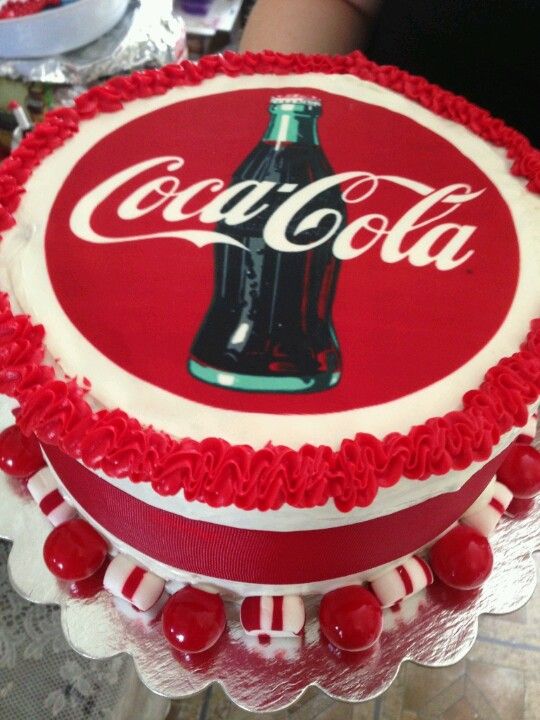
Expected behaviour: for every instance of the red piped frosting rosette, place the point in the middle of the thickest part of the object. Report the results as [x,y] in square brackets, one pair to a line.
[212,471]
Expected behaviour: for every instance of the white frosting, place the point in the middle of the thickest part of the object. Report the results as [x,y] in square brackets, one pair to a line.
[236,589]
[404,494]
[281,520]
[23,272]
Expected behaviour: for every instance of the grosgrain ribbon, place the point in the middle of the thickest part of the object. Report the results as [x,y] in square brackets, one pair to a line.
[262,556]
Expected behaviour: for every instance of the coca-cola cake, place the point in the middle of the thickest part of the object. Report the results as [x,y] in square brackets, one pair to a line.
[272,322]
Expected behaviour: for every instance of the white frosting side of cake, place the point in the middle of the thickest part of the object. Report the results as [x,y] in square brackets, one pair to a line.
[404,494]
[178,577]
[23,273]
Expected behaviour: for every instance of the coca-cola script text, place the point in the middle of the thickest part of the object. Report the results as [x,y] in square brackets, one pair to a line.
[165,198]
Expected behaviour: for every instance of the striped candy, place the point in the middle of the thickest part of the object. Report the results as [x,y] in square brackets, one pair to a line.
[275,616]
[148,616]
[44,491]
[406,579]
[483,499]
[485,519]
[127,580]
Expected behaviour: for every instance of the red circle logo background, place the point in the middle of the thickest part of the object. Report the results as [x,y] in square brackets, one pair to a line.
[400,327]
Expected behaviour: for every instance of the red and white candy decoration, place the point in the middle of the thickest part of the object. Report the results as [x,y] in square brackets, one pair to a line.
[484,519]
[20,456]
[518,508]
[42,488]
[462,558]
[74,550]
[406,579]
[275,616]
[89,587]
[520,471]
[125,579]
[193,620]
[147,617]
[351,618]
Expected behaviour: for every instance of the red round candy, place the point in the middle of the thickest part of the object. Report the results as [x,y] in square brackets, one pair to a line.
[193,620]
[20,456]
[520,471]
[462,558]
[351,618]
[518,507]
[90,586]
[74,550]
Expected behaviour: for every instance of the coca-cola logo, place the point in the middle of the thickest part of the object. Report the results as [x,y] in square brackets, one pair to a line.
[163,200]
[132,237]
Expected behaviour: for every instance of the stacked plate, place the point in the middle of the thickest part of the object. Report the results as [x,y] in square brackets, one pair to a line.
[59,29]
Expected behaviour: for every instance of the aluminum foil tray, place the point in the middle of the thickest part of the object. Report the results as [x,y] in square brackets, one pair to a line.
[149,34]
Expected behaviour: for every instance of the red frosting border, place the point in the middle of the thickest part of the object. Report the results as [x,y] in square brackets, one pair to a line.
[213,471]
[259,556]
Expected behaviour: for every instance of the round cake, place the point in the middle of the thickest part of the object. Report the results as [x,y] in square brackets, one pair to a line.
[272,320]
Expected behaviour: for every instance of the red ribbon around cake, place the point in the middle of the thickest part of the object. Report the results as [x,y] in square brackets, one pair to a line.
[263,556]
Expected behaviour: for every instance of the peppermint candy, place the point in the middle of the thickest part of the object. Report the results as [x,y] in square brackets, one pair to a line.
[275,616]
[485,518]
[406,579]
[146,617]
[127,580]
[44,491]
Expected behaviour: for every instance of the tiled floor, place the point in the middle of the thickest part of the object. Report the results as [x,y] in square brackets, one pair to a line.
[498,680]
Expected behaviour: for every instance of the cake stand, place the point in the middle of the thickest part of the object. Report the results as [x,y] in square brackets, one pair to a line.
[434,628]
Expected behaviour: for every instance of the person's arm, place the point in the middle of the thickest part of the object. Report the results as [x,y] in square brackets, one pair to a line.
[308,26]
